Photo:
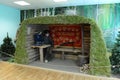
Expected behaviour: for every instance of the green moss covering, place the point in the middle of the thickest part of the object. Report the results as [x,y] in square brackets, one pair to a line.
[98,51]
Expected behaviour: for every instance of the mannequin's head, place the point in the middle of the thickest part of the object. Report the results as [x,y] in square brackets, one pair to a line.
[46,33]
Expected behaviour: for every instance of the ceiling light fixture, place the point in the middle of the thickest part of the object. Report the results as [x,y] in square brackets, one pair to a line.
[59,0]
[22,3]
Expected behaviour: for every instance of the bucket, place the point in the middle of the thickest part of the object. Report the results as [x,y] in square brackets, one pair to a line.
[82,59]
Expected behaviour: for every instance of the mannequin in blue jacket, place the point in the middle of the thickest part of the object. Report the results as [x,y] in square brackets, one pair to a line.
[47,40]
[38,38]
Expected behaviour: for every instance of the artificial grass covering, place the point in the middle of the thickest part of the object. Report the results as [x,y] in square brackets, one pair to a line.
[98,51]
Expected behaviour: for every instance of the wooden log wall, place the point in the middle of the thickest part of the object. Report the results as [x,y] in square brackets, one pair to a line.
[86,39]
[33,54]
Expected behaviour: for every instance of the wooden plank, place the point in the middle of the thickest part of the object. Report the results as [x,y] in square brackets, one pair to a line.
[42,46]
[13,71]
[82,32]
[67,50]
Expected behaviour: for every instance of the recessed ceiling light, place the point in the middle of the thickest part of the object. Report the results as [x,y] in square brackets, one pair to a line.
[59,0]
[22,3]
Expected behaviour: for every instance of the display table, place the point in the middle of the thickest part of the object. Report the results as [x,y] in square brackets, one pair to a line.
[41,50]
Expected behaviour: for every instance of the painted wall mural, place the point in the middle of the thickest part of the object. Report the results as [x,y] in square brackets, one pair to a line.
[107,16]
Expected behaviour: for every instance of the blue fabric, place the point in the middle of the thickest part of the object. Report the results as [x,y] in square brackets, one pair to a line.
[38,39]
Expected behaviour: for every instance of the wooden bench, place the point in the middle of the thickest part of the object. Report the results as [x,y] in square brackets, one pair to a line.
[64,49]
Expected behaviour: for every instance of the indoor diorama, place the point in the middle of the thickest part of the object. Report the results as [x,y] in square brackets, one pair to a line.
[57,41]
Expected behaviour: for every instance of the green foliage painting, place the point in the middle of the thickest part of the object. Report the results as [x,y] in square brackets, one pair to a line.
[106,16]
[98,50]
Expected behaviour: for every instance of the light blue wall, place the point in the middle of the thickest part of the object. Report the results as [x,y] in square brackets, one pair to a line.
[9,22]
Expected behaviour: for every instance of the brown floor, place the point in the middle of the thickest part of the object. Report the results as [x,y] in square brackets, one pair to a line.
[9,71]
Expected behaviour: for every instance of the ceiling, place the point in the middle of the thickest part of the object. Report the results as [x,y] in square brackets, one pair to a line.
[35,4]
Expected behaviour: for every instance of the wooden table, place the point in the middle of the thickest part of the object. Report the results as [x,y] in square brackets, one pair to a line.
[41,50]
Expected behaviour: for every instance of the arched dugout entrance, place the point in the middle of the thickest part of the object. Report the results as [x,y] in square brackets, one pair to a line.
[72,40]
